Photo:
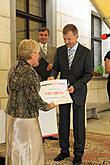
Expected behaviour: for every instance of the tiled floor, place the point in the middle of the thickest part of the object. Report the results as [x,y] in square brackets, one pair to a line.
[101,125]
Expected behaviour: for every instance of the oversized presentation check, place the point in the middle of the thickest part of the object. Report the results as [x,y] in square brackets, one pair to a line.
[55,91]
[52,91]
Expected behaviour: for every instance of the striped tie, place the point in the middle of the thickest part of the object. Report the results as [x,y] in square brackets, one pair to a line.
[44,48]
[70,56]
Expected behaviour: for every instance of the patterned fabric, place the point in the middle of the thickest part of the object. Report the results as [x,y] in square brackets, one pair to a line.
[23,86]
[97,150]
[2,150]
[71,53]
[44,48]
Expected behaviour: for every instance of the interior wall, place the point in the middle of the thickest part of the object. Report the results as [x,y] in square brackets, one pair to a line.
[4,49]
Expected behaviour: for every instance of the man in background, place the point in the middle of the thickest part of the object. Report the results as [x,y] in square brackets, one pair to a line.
[47,54]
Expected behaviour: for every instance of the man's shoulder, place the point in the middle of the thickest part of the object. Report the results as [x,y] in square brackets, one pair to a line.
[62,47]
[51,46]
[83,47]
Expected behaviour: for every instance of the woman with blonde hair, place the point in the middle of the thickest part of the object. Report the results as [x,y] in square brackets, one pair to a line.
[23,135]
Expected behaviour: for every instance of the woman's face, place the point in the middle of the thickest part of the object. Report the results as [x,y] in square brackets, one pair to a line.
[35,58]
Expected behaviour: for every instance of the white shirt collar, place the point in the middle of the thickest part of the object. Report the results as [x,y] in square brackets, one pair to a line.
[41,45]
[74,47]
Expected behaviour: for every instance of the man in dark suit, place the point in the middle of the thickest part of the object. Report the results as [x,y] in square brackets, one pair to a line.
[74,62]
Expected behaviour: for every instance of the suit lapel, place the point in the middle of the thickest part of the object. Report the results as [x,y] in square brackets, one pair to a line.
[65,56]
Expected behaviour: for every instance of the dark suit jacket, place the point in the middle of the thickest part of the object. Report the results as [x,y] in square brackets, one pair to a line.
[49,58]
[51,50]
[80,72]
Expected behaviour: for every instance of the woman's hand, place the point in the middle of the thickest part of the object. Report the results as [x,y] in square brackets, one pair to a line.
[51,106]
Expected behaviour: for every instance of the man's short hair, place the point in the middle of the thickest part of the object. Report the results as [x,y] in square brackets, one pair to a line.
[70,27]
[42,29]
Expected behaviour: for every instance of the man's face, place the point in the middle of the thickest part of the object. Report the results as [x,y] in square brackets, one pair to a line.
[43,37]
[70,39]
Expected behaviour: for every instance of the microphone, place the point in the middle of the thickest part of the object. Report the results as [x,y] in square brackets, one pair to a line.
[105,36]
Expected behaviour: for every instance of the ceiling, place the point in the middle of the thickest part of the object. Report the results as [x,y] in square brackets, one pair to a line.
[103,7]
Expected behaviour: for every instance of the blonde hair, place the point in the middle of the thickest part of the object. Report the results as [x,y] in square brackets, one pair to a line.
[26,48]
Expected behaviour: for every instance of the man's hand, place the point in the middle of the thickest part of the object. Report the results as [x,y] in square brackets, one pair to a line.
[71,89]
[50,78]
[49,67]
